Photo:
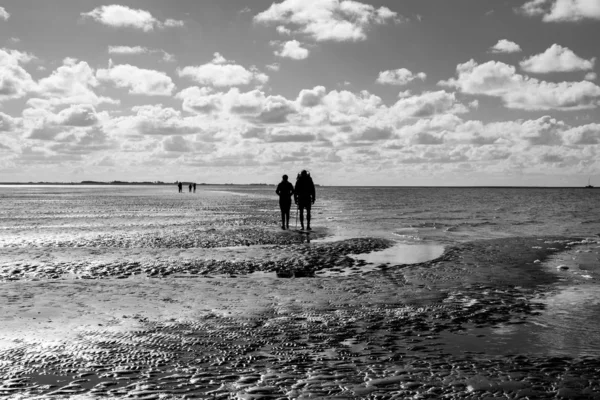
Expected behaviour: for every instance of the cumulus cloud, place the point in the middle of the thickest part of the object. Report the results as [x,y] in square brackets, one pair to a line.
[498,79]
[399,77]
[505,46]
[15,81]
[8,123]
[325,20]
[292,49]
[119,16]
[556,59]
[562,10]
[154,120]
[127,50]
[591,76]
[253,105]
[72,83]
[177,144]
[221,72]
[138,80]
[4,14]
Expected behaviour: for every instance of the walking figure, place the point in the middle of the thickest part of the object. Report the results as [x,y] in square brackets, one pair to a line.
[285,190]
[190,187]
[194,188]
[180,186]
[304,196]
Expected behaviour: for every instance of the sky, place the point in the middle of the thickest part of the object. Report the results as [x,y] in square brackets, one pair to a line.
[373,92]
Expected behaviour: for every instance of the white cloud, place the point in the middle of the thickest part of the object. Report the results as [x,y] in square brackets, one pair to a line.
[127,50]
[78,115]
[282,30]
[221,72]
[326,19]
[591,76]
[400,77]
[119,16]
[505,46]
[8,123]
[556,59]
[154,120]
[138,80]
[4,14]
[292,49]
[177,144]
[15,81]
[173,23]
[235,105]
[135,50]
[427,104]
[497,79]
[71,83]
[562,10]
[273,67]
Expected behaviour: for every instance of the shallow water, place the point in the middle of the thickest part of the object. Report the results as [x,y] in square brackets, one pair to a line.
[450,215]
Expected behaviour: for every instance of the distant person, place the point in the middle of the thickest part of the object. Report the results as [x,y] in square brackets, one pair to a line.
[180,185]
[285,190]
[190,188]
[194,188]
[304,196]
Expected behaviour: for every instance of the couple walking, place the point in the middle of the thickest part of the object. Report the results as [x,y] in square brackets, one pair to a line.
[304,197]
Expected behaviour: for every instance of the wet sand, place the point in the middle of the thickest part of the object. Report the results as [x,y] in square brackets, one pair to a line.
[276,317]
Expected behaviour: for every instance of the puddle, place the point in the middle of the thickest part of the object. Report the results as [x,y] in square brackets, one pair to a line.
[403,253]
[568,326]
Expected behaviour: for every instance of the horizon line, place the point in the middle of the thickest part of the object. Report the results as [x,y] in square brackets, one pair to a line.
[161,183]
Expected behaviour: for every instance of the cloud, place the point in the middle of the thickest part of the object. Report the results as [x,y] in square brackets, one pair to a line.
[71,83]
[273,67]
[15,81]
[399,77]
[136,50]
[505,46]
[562,10]
[127,50]
[78,115]
[138,80]
[8,123]
[292,49]
[154,120]
[591,76]
[177,144]
[4,14]
[221,72]
[500,80]
[556,59]
[311,97]
[427,104]
[325,20]
[119,16]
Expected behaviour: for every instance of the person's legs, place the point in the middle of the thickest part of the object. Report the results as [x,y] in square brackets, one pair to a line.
[301,216]
[282,208]
[308,218]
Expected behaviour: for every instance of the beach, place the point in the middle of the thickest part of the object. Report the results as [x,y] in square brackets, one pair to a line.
[142,292]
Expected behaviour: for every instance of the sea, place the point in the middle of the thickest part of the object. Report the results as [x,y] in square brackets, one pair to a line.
[422,221]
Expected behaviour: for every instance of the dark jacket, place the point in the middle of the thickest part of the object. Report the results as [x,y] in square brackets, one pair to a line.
[285,190]
[305,189]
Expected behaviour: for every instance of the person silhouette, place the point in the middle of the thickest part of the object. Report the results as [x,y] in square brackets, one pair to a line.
[304,196]
[180,186]
[194,188]
[190,188]
[285,190]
